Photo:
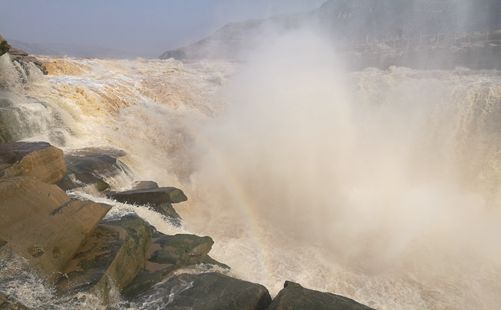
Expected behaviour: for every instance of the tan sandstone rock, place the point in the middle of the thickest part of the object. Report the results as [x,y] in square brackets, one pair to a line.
[41,223]
[36,159]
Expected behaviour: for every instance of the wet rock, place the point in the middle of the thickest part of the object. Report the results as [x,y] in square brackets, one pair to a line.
[293,296]
[169,253]
[110,258]
[150,196]
[24,59]
[42,224]
[7,303]
[206,291]
[92,166]
[7,133]
[159,199]
[36,159]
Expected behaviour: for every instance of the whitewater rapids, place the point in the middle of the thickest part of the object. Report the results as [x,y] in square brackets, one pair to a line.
[380,185]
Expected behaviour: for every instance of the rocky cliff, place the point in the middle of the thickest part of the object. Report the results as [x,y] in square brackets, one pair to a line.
[377,33]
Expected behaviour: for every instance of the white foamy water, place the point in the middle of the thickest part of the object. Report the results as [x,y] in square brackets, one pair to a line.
[379,185]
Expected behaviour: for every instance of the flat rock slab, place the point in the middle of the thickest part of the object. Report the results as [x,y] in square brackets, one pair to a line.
[157,198]
[206,291]
[295,297]
[36,159]
[152,196]
[41,223]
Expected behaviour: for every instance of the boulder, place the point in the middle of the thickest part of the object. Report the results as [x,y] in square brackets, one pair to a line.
[110,259]
[159,199]
[23,58]
[158,195]
[144,185]
[206,291]
[42,224]
[169,253]
[91,166]
[7,303]
[4,46]
[293,296]
[36,159]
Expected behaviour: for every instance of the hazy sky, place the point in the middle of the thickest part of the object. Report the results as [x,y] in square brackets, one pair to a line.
[140,27]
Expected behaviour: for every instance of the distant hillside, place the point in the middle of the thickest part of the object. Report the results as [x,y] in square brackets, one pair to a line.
[376,32]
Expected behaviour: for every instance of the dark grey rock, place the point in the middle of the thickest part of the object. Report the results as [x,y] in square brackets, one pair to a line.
[152,196]
[158,198]
[110,257]
[206,291]
[170,253]
[295,297]
[91,166]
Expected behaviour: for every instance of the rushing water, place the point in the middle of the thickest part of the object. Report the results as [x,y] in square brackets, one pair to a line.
[381,185]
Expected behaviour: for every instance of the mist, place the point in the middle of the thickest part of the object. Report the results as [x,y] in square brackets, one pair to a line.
[386,175]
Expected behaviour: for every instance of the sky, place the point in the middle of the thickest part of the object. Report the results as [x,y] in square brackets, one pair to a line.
[137,27]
